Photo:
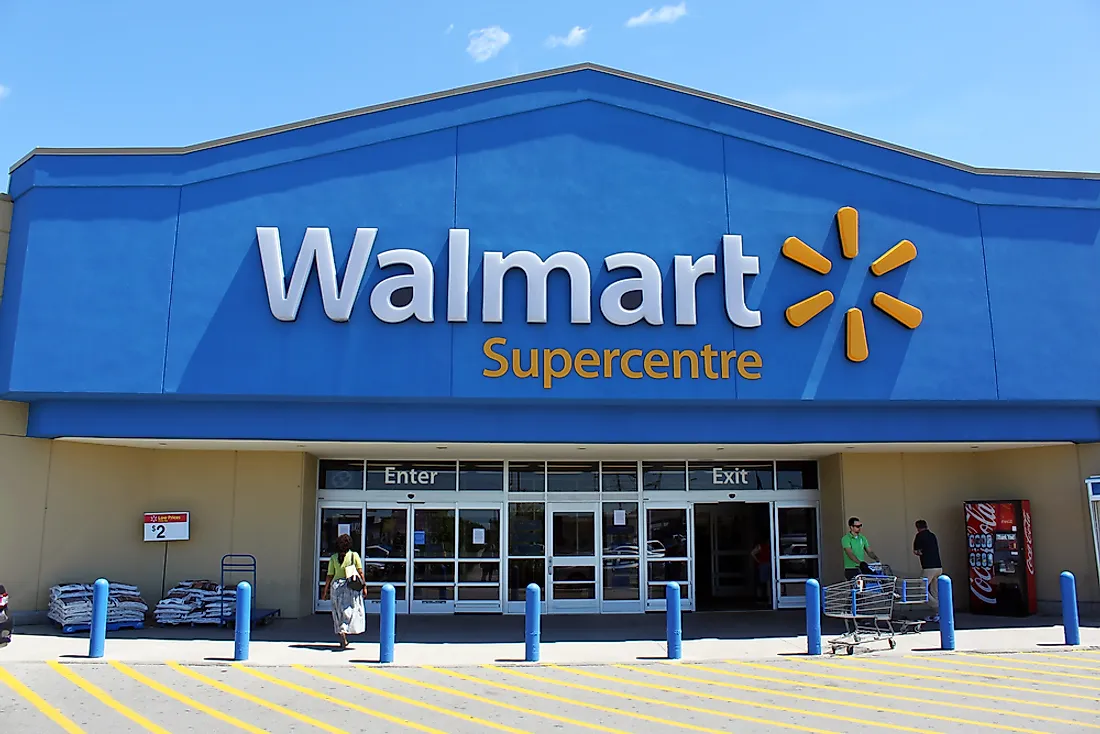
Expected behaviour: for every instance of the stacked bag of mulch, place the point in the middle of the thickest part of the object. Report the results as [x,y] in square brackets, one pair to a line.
[71,605]
[196,602]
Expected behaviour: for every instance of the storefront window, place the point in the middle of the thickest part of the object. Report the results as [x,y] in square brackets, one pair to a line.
[580,477]
[619,476]
[797,475]
[337,522]
[481,476]
[664,475]
[417,476]
[526,529]
[526,476]
[620,529]
[797,531]
[340,474]
[478,533]
[731,476]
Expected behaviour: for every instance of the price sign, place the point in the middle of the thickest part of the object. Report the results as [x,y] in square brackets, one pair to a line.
[165,526]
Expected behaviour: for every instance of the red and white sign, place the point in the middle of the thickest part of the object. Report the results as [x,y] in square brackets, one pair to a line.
[165,526]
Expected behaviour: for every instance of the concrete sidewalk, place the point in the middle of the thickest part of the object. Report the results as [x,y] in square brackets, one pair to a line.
[462,641]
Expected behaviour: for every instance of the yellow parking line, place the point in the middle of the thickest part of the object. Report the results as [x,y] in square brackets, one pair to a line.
[337,701]
[902,686]
[491,702]
[592,706]
[655,701]
[852,668]
[410,701]
[35,700]
[973,674]
[723,699]
[166,691]
[844,704]
[954,660]
[101,695]
[1030,659]
[224,688]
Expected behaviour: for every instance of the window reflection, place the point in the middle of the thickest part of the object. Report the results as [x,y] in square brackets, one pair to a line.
[619,476]
[664,475]
[526,529]
[526,476]
[620,529]
[573,477]
[667,533]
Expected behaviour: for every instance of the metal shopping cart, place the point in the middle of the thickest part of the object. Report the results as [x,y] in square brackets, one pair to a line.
[907,593]
[866,604]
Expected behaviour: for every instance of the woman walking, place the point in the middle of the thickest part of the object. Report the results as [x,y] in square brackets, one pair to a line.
[344,586]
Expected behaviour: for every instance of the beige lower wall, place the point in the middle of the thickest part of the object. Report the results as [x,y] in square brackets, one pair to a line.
[72,512]
[79,516]
[891,491]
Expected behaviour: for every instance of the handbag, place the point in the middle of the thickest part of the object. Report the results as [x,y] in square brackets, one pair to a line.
[351,573]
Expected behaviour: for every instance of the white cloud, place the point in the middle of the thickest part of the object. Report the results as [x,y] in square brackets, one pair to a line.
[576,37]
[487,43]
[450,28]
[4,91]
[667,14]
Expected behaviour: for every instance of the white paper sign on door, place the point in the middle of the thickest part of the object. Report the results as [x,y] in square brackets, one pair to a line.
[619,517]
[342,529]
[479,536]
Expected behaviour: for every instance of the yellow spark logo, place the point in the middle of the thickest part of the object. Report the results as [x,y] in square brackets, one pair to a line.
[847,222]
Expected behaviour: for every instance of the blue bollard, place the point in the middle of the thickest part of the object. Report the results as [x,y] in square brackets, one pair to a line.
[1070,622]
[100,593]
[242,625]
[533,626]
[387,623]
[673,620]
[813,617]
[947,613]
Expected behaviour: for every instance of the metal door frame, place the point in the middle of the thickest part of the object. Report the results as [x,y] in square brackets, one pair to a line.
[574,606]
[325,606]
[687,601]
[792,602]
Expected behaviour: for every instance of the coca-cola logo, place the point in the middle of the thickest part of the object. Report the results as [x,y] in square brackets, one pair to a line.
[1028,555]
[984,517]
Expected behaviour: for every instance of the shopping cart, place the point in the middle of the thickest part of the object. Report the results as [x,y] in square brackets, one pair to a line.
[907,593]
[866,604]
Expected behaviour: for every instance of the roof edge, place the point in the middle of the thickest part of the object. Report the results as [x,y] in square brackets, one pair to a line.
[558,71]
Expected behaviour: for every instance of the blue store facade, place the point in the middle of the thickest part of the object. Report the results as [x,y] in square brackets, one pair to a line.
[594,324]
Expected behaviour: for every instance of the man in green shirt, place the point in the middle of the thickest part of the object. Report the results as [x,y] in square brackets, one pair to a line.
[857,549]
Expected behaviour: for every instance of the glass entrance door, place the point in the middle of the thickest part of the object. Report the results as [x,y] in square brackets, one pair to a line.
[386,555]
[669,553]
[335,519]
[434,573]
[479,559]
[796,550]
[572,561]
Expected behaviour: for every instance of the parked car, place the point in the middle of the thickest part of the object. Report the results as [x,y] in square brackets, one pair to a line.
[6,624]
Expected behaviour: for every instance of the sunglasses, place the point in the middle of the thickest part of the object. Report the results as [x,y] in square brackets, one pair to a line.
[858,526]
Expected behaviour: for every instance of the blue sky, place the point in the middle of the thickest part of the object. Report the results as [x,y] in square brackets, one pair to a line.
[1013,83]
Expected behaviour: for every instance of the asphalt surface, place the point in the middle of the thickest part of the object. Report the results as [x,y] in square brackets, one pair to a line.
[1050,692]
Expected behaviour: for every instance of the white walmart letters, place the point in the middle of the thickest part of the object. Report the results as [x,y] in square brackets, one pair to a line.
[339,298]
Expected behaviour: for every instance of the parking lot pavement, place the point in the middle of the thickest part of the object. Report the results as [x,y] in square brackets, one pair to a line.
[1058,691]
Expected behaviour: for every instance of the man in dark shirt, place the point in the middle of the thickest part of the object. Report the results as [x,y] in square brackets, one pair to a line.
[927,547]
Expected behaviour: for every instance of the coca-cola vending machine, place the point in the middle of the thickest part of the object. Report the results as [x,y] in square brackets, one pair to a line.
[1000,558]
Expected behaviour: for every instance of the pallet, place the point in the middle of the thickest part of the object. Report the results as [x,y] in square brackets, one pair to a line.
[70,629]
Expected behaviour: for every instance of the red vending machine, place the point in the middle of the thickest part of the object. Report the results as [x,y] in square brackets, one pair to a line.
[1000,558]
